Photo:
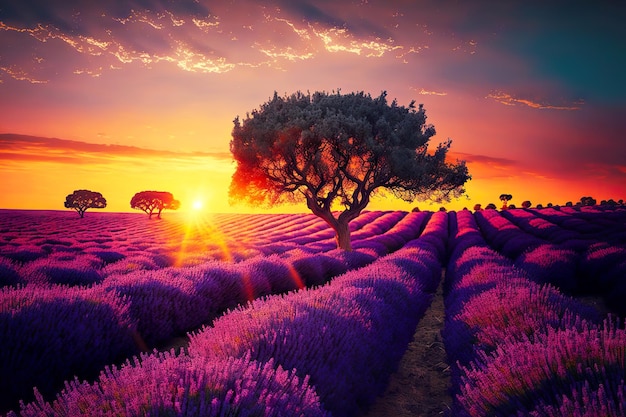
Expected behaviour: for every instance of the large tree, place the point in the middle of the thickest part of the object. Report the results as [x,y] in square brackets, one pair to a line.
[338,149]
[81,200]
[154,201]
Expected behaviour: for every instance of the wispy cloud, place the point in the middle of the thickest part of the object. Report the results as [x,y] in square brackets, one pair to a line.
[510,100]
[108,35]
[425,92]
[16,148]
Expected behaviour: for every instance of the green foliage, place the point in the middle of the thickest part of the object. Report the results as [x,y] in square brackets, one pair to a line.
[328,145]
[328,149]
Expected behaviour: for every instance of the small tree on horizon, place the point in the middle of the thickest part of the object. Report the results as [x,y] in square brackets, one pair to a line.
[334,149]
[154,201]
[587,201]
[505,198]
[526,204]
[81,200]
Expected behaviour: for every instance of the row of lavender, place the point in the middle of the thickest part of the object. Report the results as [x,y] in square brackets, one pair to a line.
[88,255]
[521,348]
[118,305]
[51,332]
[46,247]
[316,352]
[579,252]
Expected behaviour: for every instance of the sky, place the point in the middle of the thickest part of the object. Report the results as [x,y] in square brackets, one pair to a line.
[125,96]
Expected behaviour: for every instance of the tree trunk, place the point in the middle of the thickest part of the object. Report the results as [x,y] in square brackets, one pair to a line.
[342,231]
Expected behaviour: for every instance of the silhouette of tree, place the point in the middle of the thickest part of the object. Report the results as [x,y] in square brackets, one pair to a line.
[609,202]
[526,204]
[154,201]
[587,201]
[569,204]
[333,149]
[505,198]
[490,206]
[478,207]
[81,200]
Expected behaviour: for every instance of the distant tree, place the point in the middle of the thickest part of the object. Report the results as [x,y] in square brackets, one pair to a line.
[620,201]
[490,206]
[549,205]
[587,201]
[442,209]
[81,200]
[569,204]
[154,201]
[505,198]
[415,209]
[539,206]
[335,149]
[477,207]
[526,204]
[512,206]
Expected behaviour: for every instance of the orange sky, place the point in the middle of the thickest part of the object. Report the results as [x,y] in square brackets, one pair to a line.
[144,97]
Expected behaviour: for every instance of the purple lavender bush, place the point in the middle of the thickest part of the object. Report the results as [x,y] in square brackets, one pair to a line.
[366,316]
[51,334]
[551,264]
[9,275]
[168,385]
[554,369]
[64,268]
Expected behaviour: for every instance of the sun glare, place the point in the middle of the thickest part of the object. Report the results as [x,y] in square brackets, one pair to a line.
[197,205]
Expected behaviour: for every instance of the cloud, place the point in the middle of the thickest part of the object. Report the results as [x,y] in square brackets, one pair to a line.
[16,148]
[424,92]
[104,36]
[510,100]
[483,159]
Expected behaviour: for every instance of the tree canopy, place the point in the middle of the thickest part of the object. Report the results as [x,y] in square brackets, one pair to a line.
[338,149]
[81,200]
[154,201]
[505,198]
[587,201]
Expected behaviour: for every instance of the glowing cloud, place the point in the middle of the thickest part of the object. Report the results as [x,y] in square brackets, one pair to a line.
[510,100]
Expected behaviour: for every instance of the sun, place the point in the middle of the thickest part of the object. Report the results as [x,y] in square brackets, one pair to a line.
[197,205]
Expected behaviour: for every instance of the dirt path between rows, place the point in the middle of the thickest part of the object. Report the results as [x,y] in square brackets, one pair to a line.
[420,386]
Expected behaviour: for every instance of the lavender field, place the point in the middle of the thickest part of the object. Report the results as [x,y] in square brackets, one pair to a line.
[278,322]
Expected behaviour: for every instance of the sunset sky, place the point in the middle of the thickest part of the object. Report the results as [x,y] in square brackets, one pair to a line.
[124,96]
